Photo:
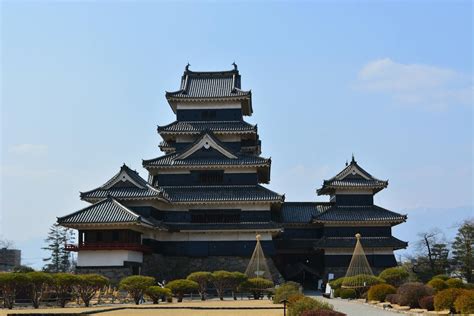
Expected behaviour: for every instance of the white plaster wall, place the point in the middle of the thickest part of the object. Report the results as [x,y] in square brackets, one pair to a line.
[100,258]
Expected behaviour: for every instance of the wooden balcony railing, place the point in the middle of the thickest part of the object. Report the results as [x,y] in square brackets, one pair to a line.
[108,246]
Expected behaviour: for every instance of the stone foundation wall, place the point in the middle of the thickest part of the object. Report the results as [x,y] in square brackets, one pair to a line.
[171,267]
[115,274]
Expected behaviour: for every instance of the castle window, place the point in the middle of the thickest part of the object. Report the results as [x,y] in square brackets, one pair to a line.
[215,216]
[211,177]
[208,114]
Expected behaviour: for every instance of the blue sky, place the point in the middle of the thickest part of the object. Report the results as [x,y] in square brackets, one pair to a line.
[82,90]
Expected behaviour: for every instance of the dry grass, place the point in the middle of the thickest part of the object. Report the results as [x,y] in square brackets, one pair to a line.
[161,309]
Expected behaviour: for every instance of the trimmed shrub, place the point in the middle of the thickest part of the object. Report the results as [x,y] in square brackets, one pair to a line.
[306,304]
[63,285]
[322,312]
[444,300]
[221,281]
[257,286]
[395,276]
[464,303]
[427,302]
[411,292]
[201,278]
[367,280]
[155,293]
[136,286]
[337,293]
[284,291]
[443,277]
[380,291]
[88,284]
[348,293]
[235,281]
[392,298]
[180,287]
[38,283]
[437,284]
[336,283]
[455,283]
[10,282]
[295,297]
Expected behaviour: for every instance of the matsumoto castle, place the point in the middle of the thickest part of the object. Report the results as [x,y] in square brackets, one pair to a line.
[203,202]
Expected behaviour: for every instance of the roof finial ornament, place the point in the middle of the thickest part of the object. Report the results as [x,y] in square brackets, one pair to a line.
[347,163]
[235,66]
[353,159]
[187,66]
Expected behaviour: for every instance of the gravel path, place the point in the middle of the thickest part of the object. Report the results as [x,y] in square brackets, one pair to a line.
[353,308]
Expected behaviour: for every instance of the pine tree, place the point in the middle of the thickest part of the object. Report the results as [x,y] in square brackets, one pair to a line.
[59,259]
[463,253]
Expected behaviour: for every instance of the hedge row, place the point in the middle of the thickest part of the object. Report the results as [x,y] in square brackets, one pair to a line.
[65,286]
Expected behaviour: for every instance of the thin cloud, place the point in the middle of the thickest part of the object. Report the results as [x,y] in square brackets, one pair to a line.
[416,84]
[28,149]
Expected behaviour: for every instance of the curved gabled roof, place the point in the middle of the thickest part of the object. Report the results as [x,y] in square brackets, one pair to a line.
[126,184]
[107,211]
[220,193]
[197,127]
[211,85]
[352,177]
[185,157]
[366,214]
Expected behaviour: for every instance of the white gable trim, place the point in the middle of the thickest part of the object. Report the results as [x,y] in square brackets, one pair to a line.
[207,142]
[352,170]
[123,177]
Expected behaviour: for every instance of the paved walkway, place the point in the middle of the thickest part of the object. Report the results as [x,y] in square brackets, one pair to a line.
[353,308]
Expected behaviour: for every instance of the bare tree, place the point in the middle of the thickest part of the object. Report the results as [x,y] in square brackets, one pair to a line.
[6,243]
[433,254]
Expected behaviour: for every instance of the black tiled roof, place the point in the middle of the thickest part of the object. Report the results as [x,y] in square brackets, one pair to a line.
[346,180]
[196,127]
[367,242]
[301,212]
[171,161]
[369,213]
[124,191]
[106,211]
[223,193]
[131,173]
[223,226]
[203,85]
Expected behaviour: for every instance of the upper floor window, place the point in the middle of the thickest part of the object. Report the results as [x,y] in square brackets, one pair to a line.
[208,114]
[211,177]
[215,216]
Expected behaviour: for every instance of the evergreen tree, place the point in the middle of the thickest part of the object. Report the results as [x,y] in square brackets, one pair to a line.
[59,259]
[463,253]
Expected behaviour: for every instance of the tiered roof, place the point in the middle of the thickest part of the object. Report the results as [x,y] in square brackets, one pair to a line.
[358,214]
[220,193]
[217,127]
[352,177]
[301,212]
[329,213]
[107,211]
[125,185]
[224,157]
[211,86]
[369,242]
